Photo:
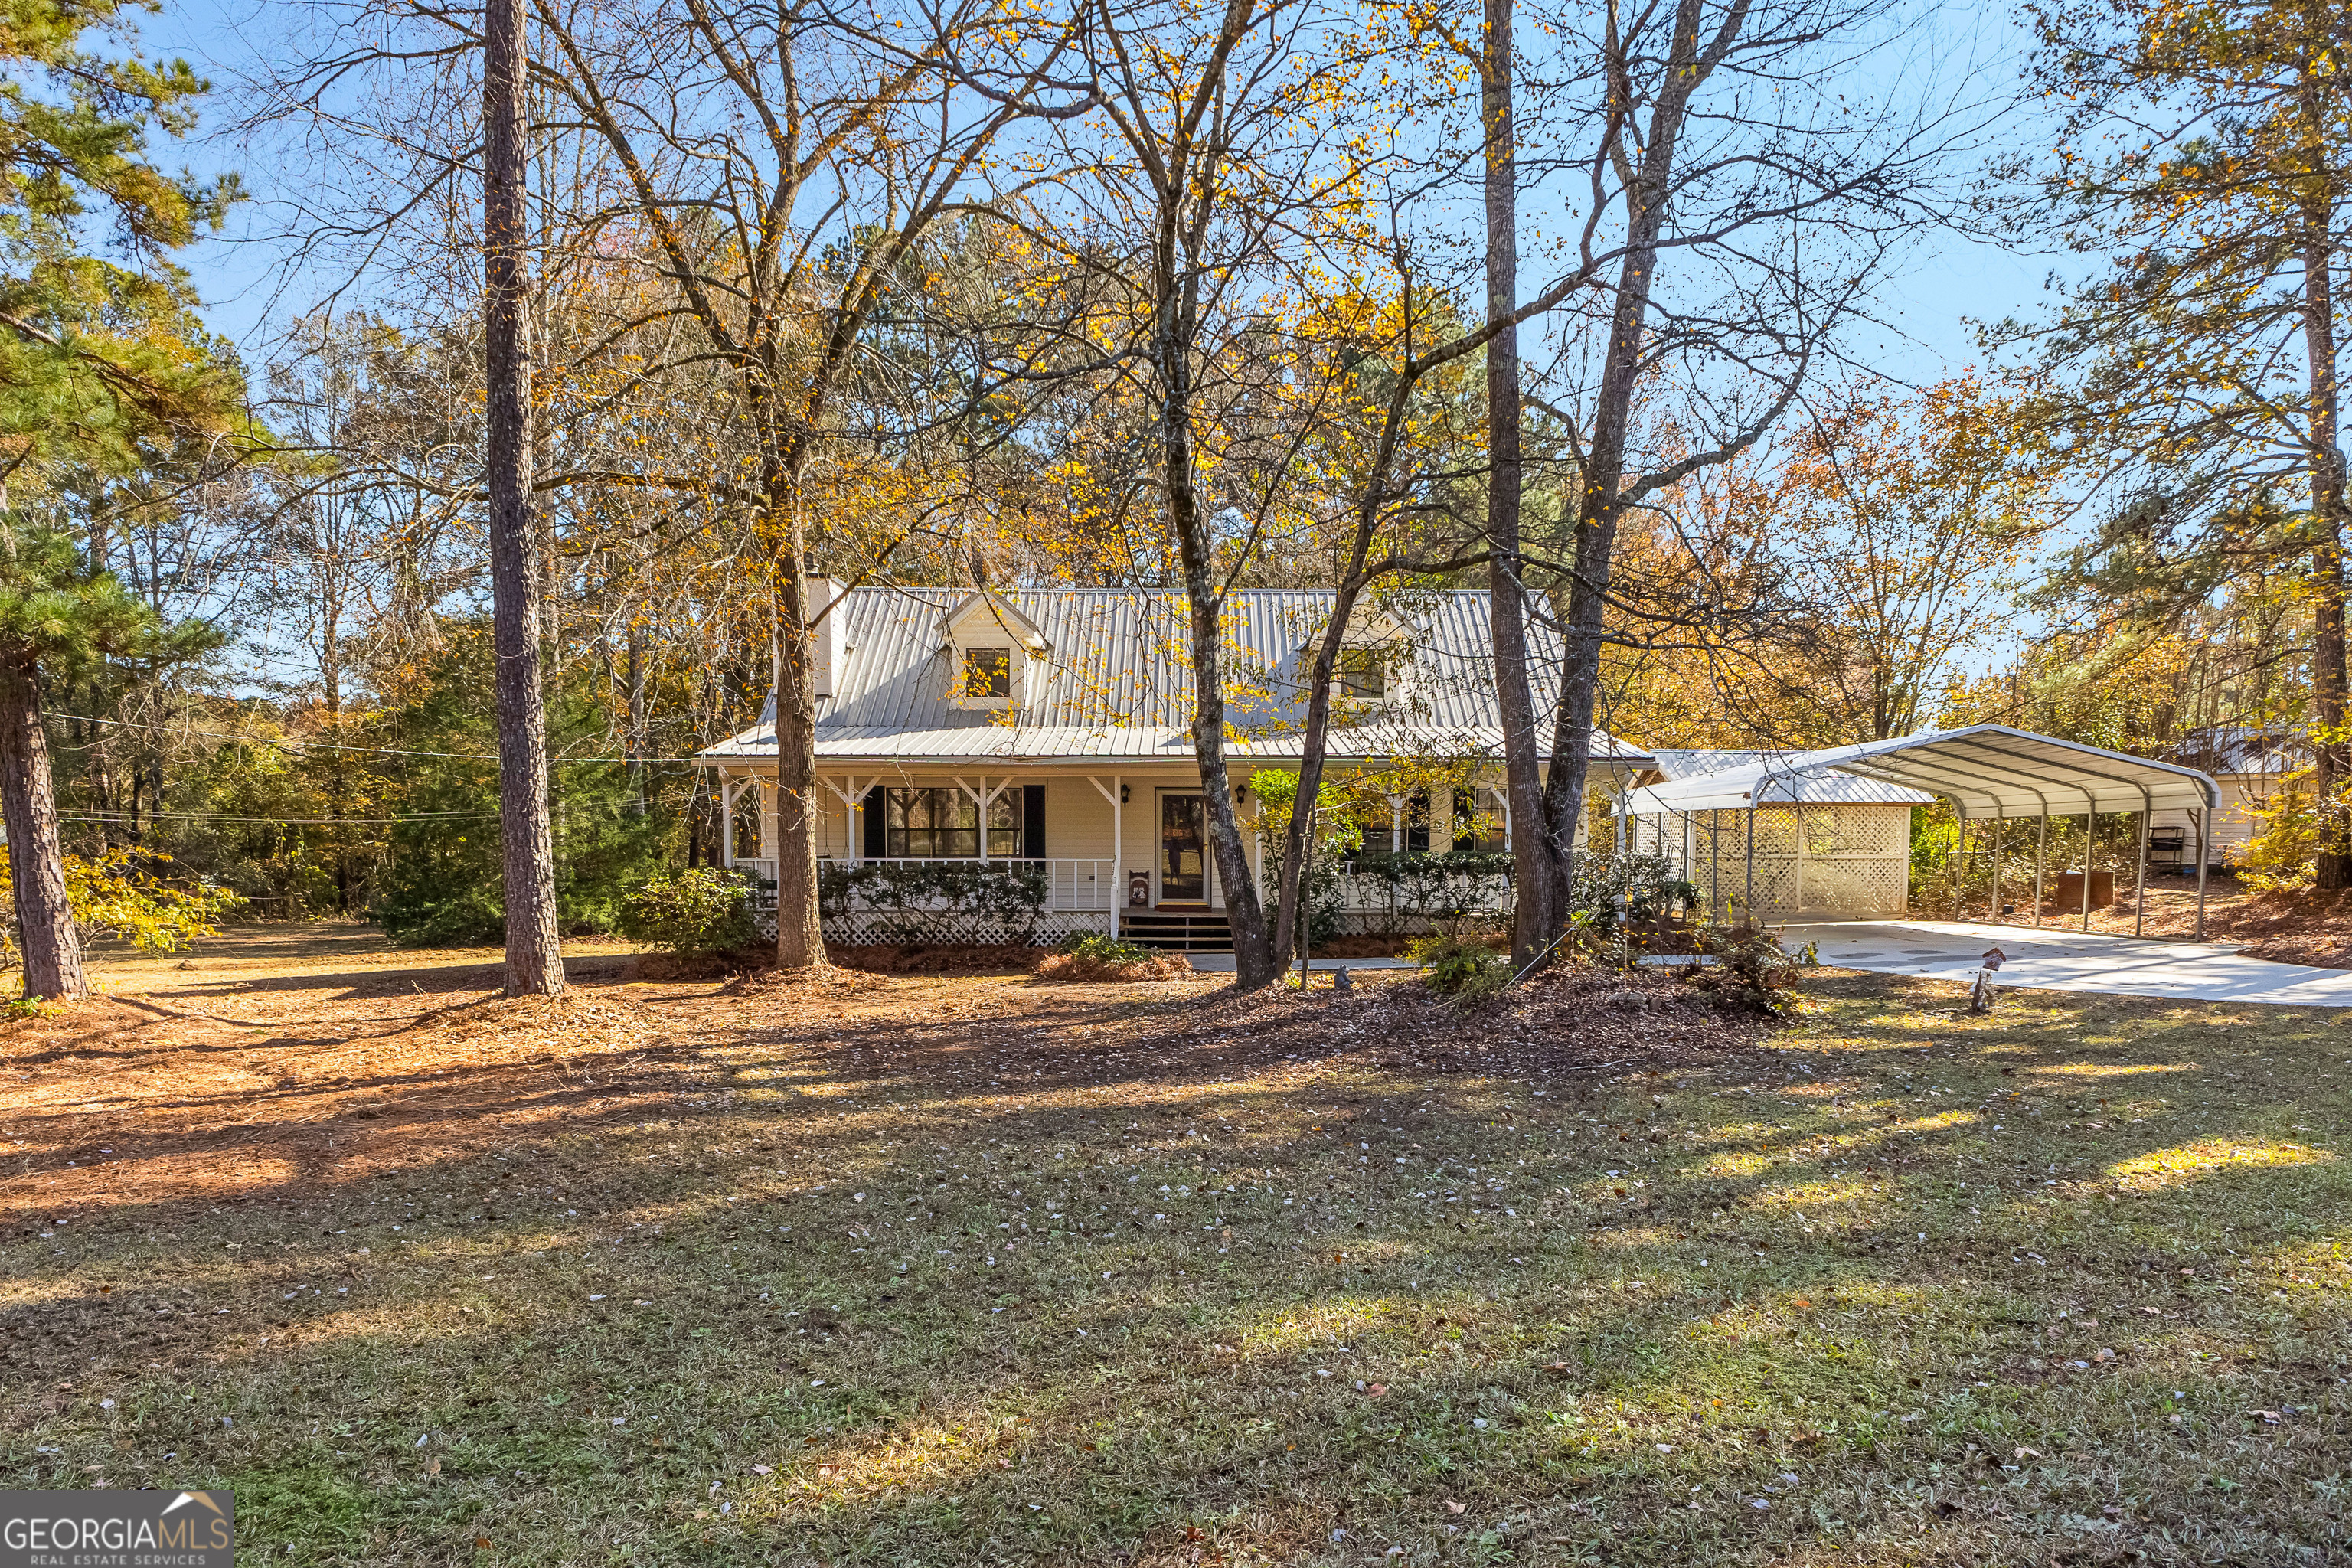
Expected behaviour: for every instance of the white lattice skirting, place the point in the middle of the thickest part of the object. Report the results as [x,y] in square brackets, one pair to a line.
[871,928]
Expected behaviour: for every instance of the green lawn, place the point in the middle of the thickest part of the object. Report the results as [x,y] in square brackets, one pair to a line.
[1107,1276]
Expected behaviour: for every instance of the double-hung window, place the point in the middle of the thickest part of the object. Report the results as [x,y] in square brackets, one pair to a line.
[944,825]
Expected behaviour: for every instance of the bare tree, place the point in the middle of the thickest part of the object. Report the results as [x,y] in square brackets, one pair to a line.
[1749,212]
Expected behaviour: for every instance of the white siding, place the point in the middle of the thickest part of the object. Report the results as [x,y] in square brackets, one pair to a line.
[1078,821]
[2234,826]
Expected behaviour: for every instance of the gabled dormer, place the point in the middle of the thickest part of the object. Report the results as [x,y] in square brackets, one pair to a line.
[993,654]
[1375,661]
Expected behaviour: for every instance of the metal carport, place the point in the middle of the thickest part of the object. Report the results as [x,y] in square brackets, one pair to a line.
[1989,773]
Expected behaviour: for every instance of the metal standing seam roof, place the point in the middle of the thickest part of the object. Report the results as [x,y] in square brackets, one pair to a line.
[1987,770]
[1808,786]
[2242,749]
[1117,684]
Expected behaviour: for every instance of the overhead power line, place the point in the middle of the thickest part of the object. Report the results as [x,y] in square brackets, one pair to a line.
[123,818]
[291,743]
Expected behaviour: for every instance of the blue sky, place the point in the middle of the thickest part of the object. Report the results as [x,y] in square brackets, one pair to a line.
[1953,280]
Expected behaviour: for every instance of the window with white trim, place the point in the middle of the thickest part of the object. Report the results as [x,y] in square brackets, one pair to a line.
[944,825]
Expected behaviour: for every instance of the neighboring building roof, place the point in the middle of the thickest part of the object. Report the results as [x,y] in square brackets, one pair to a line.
[1115,681]
[1806,786]
[1987,769]
[2241,748]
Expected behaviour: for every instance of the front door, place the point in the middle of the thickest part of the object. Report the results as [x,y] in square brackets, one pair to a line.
[1184,850]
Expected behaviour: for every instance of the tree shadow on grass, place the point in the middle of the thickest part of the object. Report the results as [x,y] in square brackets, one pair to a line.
[1572,1364]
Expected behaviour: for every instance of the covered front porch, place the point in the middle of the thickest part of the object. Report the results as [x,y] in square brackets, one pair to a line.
[1034,856]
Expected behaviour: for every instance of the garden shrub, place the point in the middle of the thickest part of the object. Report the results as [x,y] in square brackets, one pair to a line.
[697,912]
[1091,956]
[1752,972]
[1462,967]
[919,901]
[122,893]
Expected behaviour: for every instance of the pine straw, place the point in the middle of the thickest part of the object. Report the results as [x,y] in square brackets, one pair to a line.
[1087,966]
[823,981]
[125,1099]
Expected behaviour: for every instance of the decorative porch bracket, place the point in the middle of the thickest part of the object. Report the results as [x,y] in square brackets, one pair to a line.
[853,811]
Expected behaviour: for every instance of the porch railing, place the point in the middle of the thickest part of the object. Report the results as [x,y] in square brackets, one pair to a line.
[1070,885]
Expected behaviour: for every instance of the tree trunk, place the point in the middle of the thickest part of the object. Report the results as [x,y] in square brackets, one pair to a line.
[29,810]
[1599,507]
[1534,875]
[1253,956]
[2328,674]
[637,806]
[1596,545]
[534,956]
[1253,965]
[800,922]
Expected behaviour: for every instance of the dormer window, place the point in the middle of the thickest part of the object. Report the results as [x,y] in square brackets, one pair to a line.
[1361,673]
[994,656]
[988,673]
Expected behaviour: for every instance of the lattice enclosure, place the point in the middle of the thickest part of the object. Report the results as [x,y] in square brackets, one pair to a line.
[936,928]
[1815,862]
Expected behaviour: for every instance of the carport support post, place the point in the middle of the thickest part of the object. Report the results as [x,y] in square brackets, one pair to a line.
[1998,822]
[2090,832]
[2040,852]
[1750,915]
[2200,876]
[1715,867]
[1959,852]
[2140,874]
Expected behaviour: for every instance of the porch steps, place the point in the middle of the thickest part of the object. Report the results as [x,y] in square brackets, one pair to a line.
[1178,933]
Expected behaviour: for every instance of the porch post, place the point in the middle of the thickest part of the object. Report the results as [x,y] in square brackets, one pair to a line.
[726,790]
[1118,852]
[852,815]
[983,797]
[1396,824]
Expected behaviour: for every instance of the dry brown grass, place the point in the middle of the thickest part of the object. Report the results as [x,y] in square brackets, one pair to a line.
[890,1268]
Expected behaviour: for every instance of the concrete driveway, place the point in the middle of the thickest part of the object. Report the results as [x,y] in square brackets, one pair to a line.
[2054,960]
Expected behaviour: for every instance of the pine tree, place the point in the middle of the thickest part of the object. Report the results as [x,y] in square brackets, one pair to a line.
[2210,161]
[96,357]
